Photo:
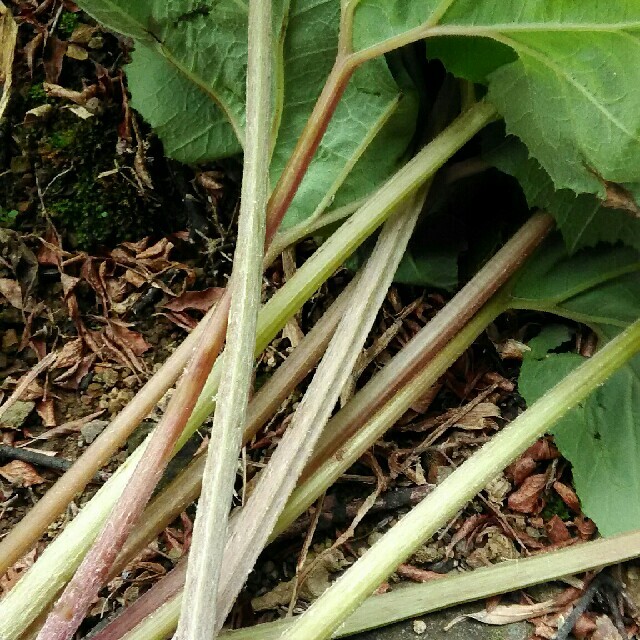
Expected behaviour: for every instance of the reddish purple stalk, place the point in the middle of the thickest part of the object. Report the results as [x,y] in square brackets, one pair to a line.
[82,590]
[71,607]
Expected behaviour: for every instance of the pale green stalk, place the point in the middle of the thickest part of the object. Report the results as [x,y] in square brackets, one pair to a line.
[365,437]
[340,600]
[284,239]
[250,531]
[58,562]
[410,601]
[200,617]
[161,623]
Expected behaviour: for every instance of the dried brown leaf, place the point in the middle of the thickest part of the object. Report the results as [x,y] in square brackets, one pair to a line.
[557,530]
[199,300]
[527,498]
[8,37]
[543,449]
[568,496]
[20,474]
[129,339]
[507,614]
[10,289]
[605,629]
[11,577]
[585,527]
[54,56]
[72,426]
[71,378]
[415,574]
[479,417]
[69,355]
[46,410]
[521,469]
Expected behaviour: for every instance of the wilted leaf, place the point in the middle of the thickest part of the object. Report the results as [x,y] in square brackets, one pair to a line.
[507,614]
[557,530]
[8,35]
[605,630]
[69,355]
[527,498]
[46,411]
[11,577]
[10,289]
[199,300]
[479,417]
[20,474]
[568,496]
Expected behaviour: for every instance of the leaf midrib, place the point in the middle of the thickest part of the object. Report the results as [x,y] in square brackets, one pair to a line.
[428,29]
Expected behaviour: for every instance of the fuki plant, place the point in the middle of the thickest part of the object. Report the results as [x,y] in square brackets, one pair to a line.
[356,120]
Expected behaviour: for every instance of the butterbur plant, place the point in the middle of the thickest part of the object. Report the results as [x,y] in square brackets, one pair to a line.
[360,112]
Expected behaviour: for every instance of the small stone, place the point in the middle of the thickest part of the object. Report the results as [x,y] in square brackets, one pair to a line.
[76,52]
[16,414]
[93,429]
[419,627]
[130,382]
[95,390]
[96,42]
[498,489]
[374,537]
[427,554]
[108,376]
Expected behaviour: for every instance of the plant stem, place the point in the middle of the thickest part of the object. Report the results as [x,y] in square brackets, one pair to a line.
[340,600]
[200,617]
[420,350]
[250,531]
[419,599]
[431,339]
[71,607]
[185,488]
[308,142]
[42,582]
[284,239]
[164,618]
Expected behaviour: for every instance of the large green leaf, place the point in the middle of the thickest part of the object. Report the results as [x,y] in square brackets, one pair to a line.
[573,95]
[599,437]
[583,219]
[599,287]
[188,79]
[372,112]
[575,285]
[471,58]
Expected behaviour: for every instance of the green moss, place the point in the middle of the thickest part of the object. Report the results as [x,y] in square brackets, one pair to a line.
[555,507]
[67,23]
[7,218]
[62,139]
[98,211]
[36,94]
[88,209]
